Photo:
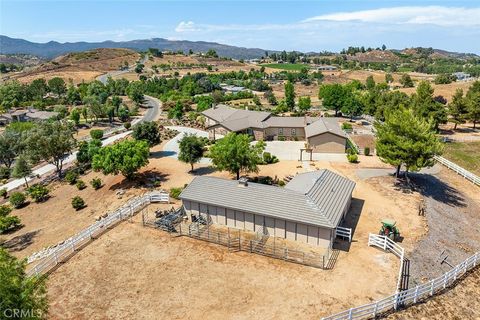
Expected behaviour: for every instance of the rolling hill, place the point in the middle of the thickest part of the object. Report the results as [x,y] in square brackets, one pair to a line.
[54,49]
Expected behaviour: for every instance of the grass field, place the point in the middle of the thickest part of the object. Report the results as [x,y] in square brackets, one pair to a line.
[465,154]
[285,66]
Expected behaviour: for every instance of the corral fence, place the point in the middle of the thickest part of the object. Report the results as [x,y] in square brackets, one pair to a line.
[388,244]
[343,232]
[236,240]
[66,249]
[459,170]
[403,299]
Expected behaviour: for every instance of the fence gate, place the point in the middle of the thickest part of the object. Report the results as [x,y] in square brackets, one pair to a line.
[345,233]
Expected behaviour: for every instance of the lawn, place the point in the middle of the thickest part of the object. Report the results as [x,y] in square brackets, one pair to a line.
[465,154]
[286,66]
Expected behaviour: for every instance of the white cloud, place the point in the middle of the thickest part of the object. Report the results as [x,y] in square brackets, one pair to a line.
[435,15]
[186,26]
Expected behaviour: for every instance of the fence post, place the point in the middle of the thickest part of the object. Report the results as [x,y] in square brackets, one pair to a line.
[375,309]
[416,294]
[395,301]
[432,287]
[350,314]
[55,257]
[251,246]
[444,280]
[73,246]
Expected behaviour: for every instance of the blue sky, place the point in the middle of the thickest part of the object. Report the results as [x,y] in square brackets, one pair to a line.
[291,25]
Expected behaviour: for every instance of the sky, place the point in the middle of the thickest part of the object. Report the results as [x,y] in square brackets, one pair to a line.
[314,25]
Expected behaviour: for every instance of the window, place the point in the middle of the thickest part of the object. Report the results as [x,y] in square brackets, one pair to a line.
[280,131]
[294,132]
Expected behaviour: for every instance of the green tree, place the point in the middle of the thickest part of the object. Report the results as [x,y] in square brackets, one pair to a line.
[139,68]
[211,54]
[73,96]
[406,81]
[37,89]
[12,94]
[10,146]
[125,157]
[332,96]
[204,103]
[147,131]
[290,95]
[234,154]
[424,104]
[57,85]
[304,103]
[19,291]
[388,78]
[474,108]
[22,169]
[75,116]
[191,149]
[405,139]
[135,92]
[352,104]
[51,142]
[458,108]
[177,111]
[370,83]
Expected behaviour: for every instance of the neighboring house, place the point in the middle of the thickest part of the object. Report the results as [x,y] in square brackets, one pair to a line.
[231,88]
[308,209]
[26,115]
[321,134]
[461,75]
[326,68]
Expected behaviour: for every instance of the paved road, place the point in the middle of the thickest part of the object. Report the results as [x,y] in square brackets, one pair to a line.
[290,150]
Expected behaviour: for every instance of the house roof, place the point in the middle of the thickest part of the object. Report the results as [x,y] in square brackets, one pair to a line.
[41,115]
[323,125]
[321,205]
[298,122]
[236,119]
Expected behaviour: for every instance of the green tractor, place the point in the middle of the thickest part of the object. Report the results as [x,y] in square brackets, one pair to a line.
[389,229]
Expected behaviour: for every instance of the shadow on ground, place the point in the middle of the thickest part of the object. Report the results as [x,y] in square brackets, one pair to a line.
[20,242]
[350,221]
[144,179]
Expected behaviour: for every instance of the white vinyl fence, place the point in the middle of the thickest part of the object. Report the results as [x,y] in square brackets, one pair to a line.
[388,245]
[411,296]
[461,171]
[63,251]
[344,233]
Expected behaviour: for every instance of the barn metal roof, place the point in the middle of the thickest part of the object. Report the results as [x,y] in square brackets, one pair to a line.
[321,205]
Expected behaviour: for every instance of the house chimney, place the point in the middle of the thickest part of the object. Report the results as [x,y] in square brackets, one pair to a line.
[243,182]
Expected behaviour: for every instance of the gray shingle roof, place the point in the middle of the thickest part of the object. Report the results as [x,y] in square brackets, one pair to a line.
[236,119]
[323,125]
[320,207]
[289,122]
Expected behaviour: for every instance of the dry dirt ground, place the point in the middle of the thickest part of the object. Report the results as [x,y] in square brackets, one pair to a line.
[445,90]
[460,302]
[81,66]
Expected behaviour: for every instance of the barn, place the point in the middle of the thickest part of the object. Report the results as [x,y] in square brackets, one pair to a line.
[307,209]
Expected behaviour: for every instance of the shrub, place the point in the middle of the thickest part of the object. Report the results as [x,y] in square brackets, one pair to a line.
[4,173]
[80,185]
[127,125]
[96,183]
[7,222]
[78,203]
[175,192]
[366,151]
[71,177]
[268,158]
[352,158]
[347,126]
[96,134]
[281,138]
[147,131]
[38,193]
[3,193]
[281,183]
[17,199]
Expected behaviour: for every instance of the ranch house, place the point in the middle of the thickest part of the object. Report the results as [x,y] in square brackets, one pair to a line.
[321,134]
[308,209]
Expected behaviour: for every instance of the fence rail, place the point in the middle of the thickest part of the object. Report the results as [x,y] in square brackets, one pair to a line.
[344,233]
[459,170]
[63,251]
[387,244]
[235,240]
[411,296]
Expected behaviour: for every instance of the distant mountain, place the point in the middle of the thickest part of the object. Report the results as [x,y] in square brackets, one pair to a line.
[53,49]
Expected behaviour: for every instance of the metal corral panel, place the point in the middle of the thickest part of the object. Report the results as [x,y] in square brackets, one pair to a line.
[270,225]
[280,228]
[230,218]
[221,217]
[302,233]
[313,235]
[249,223]
[291,230]
[324,237]
[259,222]
[239,220]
